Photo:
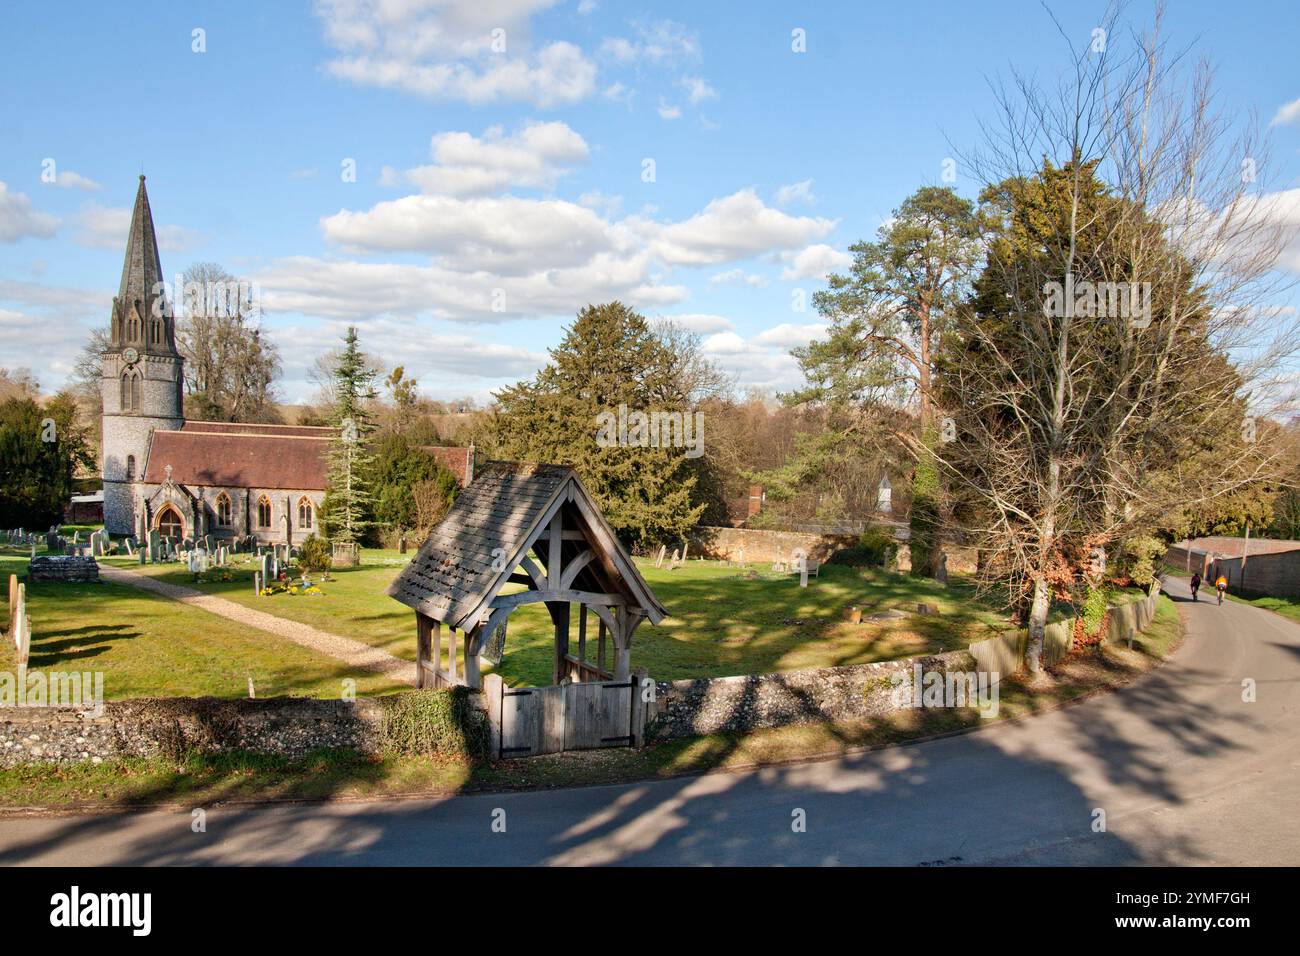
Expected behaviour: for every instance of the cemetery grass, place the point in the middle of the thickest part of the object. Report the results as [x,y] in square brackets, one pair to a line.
[323,775]
[722,620]
[149,646]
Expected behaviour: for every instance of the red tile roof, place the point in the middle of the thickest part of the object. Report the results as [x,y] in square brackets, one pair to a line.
[240,428]
[459,461]
[244,459]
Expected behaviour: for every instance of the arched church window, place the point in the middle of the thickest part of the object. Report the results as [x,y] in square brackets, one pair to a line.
[170,524]
[264,512]
[130,467]
[223,509]
[130,398]
[304,512]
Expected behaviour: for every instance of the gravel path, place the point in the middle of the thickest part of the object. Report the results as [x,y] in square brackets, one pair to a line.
[355,653]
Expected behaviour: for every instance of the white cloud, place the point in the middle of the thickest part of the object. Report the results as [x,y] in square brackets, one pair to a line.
[18,219]
[67,179]
[454,49]
[657,42]
[735,227]
[738,276]
[698,90]
[795,192]
[355,291]
[762,362]
[603,203]
[703,323]
[507,234]
[668,112]
[587,6]
[466,165]
[788,336]
[814,262]
[103,227]
[44,326]
[1286,114]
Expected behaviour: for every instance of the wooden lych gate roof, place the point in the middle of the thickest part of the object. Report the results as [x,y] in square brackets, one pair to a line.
[489,531]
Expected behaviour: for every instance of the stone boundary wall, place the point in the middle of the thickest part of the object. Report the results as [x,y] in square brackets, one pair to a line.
[1005,653]
[151,727]
[685,708]
[764,546]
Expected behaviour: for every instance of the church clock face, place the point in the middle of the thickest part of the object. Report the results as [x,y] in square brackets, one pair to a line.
[130,356]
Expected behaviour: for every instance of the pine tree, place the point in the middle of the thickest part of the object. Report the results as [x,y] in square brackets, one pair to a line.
[348,503]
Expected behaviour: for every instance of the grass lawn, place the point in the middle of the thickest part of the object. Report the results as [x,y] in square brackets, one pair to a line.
[208,780]
[149,646]
[724,620]
[1287,607]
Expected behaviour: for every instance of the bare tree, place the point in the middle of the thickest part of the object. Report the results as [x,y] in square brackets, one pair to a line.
[230,367]
[1121,336]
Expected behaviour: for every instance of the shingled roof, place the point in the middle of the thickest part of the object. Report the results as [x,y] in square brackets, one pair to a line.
[493,524]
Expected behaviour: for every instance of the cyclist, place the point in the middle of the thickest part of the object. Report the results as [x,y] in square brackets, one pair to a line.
[1221,585]
[1196,583]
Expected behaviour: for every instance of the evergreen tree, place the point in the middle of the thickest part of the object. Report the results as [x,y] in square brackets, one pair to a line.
[348,505]
[40,450]
[610,357]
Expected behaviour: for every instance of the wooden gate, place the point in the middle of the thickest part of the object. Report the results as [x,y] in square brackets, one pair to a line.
[589,715]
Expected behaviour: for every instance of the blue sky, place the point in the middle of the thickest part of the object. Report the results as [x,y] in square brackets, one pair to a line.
[498,190]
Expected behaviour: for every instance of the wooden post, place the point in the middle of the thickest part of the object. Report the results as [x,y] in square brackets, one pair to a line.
[493,691]
[639,708]
[451,652]
[437,645]
[600,647]
[422,637]
[473,645]
[582,638]
[560,616]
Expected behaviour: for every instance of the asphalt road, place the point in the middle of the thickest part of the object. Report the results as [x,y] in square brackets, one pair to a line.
[1184,770]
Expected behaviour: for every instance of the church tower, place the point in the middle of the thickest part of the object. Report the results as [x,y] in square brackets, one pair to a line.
[141,383]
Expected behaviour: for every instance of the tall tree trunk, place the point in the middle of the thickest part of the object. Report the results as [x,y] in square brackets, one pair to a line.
[1037,624]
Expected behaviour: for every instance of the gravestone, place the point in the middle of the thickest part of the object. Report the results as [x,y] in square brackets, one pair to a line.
[941,573]
[659,561]
[885,497]
[401,545]
[265,570]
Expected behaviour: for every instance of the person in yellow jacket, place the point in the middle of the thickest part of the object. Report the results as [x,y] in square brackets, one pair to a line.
[1221,585]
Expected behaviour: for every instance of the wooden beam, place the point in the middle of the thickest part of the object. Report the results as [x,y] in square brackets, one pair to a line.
[569,535]
[534,572]
[575,566]
[553,575]
[566,596]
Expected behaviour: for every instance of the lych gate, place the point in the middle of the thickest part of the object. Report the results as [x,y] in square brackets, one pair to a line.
[532,525]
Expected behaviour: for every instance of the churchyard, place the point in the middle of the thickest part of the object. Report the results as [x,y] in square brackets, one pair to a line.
[726,619]
[148,645]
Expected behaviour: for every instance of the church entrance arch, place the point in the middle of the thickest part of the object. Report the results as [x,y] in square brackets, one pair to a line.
[170,524]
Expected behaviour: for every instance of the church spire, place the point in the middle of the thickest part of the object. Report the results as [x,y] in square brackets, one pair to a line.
[141,315]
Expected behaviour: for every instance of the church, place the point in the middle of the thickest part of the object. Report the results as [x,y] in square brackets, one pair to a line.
[187,479]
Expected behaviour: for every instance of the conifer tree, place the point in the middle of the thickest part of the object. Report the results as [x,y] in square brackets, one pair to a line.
[348,504]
